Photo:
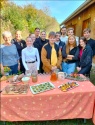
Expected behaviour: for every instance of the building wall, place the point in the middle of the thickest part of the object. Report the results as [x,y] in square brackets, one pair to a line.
[77,21]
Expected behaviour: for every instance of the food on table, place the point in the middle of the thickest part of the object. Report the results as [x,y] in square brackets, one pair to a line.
[14,88]
[76,77]
[20,76]
[68,86]
[25,79]
[7,69]
[41,87]
[72,84]
[15,78]
[3,78]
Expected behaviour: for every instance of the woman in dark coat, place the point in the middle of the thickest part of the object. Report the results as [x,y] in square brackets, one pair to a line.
[20,45]
[85,57]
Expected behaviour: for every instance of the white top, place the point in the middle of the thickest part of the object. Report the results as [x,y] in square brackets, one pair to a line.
[64,39]
[30,54]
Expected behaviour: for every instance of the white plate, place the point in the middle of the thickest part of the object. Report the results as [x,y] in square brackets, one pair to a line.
[69,88]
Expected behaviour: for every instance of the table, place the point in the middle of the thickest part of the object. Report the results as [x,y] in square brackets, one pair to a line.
[51,105]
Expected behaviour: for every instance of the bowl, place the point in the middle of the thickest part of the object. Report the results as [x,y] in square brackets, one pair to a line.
[25,80]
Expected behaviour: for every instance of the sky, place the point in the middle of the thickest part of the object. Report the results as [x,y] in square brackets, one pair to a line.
[59,9]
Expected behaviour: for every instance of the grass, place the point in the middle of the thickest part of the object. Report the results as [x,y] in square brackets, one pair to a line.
[58,122]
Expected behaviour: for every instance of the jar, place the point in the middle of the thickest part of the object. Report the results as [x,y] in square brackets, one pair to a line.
[53,76]
[34,78]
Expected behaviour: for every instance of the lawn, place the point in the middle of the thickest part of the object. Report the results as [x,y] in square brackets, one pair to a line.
[58,122]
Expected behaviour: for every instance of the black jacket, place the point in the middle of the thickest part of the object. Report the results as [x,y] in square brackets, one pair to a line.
[39,43]
[48,48]
[74,52]
[86,58]
[91,42]
[61,45]
[19,45]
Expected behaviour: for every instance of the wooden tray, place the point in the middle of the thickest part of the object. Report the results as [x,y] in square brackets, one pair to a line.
[13,89]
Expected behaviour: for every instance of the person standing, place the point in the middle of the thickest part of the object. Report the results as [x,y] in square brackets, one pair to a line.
[32,35]
[39,44]
[90,41]
[30,57]
[20,45]
[58,41]
[9,55]
[70,31]
[51,55]
[85,57]
[37,32]
[64,37]
[70,54]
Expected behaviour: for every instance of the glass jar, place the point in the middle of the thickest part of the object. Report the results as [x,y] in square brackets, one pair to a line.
[34,78]
[53,76]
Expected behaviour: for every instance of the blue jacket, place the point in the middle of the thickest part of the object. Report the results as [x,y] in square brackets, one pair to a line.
[86,58]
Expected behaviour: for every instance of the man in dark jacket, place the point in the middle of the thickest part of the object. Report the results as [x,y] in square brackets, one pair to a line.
[90,41]
[39,43]
[58,41]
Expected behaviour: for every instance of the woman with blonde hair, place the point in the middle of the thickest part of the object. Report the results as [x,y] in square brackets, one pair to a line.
[70,54]
[9,56]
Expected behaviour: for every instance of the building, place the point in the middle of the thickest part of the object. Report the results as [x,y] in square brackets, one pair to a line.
[83,17]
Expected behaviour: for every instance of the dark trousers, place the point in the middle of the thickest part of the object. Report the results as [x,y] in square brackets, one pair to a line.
[85,71]
[22,69]
[14,69]
[41,69]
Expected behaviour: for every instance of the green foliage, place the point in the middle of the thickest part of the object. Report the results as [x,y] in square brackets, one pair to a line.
[27,17]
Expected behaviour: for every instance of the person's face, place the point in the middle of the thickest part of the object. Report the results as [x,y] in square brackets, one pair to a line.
[86,35]
[70,32]
[18,35]
[29,42]
[43,35]
[33,37]
[71,40]
[82,43]
[7,38]
[57,37]
[63,31]
[52,39]
[37,32]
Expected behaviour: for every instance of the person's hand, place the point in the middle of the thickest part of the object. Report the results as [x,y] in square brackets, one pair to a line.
[18,66]
[78,69]
[2,70]
[53,68]
[70,56]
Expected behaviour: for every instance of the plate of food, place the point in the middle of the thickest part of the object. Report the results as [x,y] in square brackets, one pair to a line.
[42,87]
[77,77]
[68,86]
[12,89]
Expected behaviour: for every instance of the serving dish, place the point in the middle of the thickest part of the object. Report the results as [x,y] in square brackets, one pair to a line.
[12,89]
[77,77]
[68,86]
[42,87]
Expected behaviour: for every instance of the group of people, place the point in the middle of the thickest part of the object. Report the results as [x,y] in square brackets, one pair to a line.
[62,50]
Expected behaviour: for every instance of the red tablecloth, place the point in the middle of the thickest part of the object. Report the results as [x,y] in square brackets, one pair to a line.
[51,105]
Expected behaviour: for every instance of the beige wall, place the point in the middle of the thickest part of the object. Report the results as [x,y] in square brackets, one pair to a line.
[78,21]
